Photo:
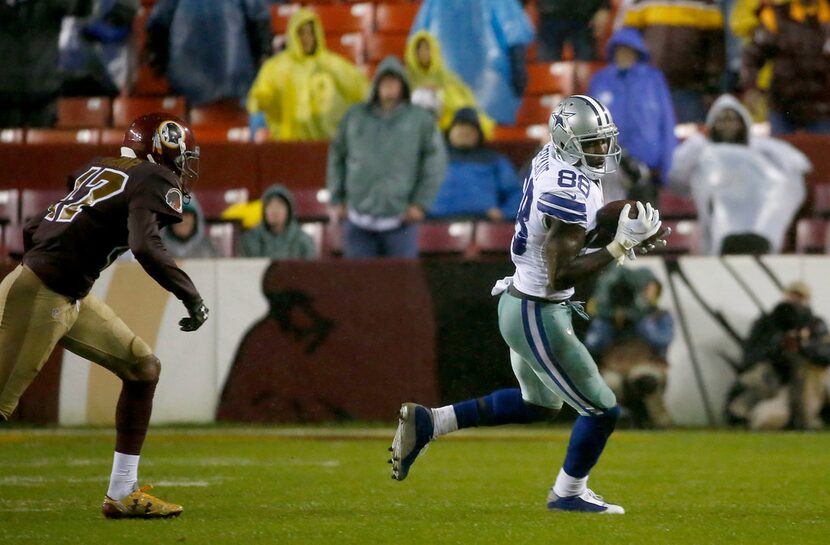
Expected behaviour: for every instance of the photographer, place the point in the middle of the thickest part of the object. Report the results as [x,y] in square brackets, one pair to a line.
[782,378]
[629,336]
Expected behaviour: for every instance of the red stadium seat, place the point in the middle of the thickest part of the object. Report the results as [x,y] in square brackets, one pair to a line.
[584,72]
[35,201]
[395,18]
[550,78]
[126,109]
[351,45]
[150,84]
[494,236]
[280,14]
[311,204]
[77,113]
[684,238]
[224,113]
[343,18]
[445,237]
[9,206]
[112,137]
[224,236]
[811,236]
[535,110]
[13,240]
[63,136]
[379,46]
[216,201]
[528,132]
[821,200]
[673,206]
[12,136]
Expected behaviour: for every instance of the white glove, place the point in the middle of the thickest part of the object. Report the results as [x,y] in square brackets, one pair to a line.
[631,232]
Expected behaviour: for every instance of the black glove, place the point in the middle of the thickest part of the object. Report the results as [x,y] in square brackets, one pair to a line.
[518,68]
[198,315]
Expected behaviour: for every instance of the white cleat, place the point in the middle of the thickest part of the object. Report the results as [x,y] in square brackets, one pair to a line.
[587,502]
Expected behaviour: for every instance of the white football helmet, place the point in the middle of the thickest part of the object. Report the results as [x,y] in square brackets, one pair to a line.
[581,122]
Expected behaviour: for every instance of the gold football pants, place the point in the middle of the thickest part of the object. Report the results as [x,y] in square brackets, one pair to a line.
[33,319]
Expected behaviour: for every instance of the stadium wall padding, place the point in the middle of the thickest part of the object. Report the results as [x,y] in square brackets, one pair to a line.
[337,340]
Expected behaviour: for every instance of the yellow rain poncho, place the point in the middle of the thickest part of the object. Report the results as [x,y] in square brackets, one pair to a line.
[304,96]
[453,94]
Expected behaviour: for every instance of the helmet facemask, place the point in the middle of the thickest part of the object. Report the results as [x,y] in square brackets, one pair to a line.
[188,166]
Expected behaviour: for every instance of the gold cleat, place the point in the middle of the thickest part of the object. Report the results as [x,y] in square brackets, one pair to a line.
[139,505]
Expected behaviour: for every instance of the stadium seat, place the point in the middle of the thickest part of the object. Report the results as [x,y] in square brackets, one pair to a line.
[9,206]
[112,137]
[11,136]
[316,231]
[63,136]
[821,200]
[395,18]
[78,113]
[311,204]
[150,84]
[684,238]
[528,132]
[224,113]
[126,109]
[673,206]
[216,201]
[584,71]
[445,237]
[535,110]
[344,18]
[35,201]
[280,14]
[494,236]
[811,236]
[378,46]
[550,78]
[224,235]
[13,241]
[351,45]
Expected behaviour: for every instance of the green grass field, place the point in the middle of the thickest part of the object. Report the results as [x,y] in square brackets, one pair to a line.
[314,485]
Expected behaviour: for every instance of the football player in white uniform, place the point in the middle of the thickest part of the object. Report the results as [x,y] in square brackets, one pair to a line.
[562,194]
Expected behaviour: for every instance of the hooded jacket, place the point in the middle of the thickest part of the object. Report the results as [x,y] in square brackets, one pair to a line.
[210,50]
[292,243]
[796,43]
[304,96]
[477,38]
[453,93]
[640,103]
[685,38]
[478,179]
[197,246]
[381,162]
[755,187]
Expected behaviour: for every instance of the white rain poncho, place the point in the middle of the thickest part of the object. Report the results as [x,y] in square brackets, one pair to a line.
[755,188]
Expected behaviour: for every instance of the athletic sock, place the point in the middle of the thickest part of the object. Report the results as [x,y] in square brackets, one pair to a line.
[501,407]
[124,476]
[588,438]
[132,415]
[566,485]
[443,421]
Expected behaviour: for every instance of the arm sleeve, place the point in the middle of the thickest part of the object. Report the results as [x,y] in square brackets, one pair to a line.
[247,246]
[145,243]
[755,55]
[684,162]
[433,167]
[265,91]
[336,165]
[29,229]
[258,29]
[657,329]
[668,140]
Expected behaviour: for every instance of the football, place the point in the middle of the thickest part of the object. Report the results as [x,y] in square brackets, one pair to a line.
[607,218]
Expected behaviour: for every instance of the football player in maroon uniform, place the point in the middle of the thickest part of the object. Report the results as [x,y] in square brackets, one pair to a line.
[117,203]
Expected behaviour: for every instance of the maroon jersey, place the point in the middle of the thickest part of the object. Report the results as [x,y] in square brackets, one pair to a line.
[116,204]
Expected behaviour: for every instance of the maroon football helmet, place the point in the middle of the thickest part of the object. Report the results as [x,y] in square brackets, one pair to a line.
[167,140]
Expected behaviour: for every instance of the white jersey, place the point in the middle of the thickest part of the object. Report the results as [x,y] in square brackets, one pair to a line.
[553,189]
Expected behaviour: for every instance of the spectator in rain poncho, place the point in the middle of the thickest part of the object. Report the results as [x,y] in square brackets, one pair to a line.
[426,71]
[484,42]
[209,50]
[747,188]
[305,90]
